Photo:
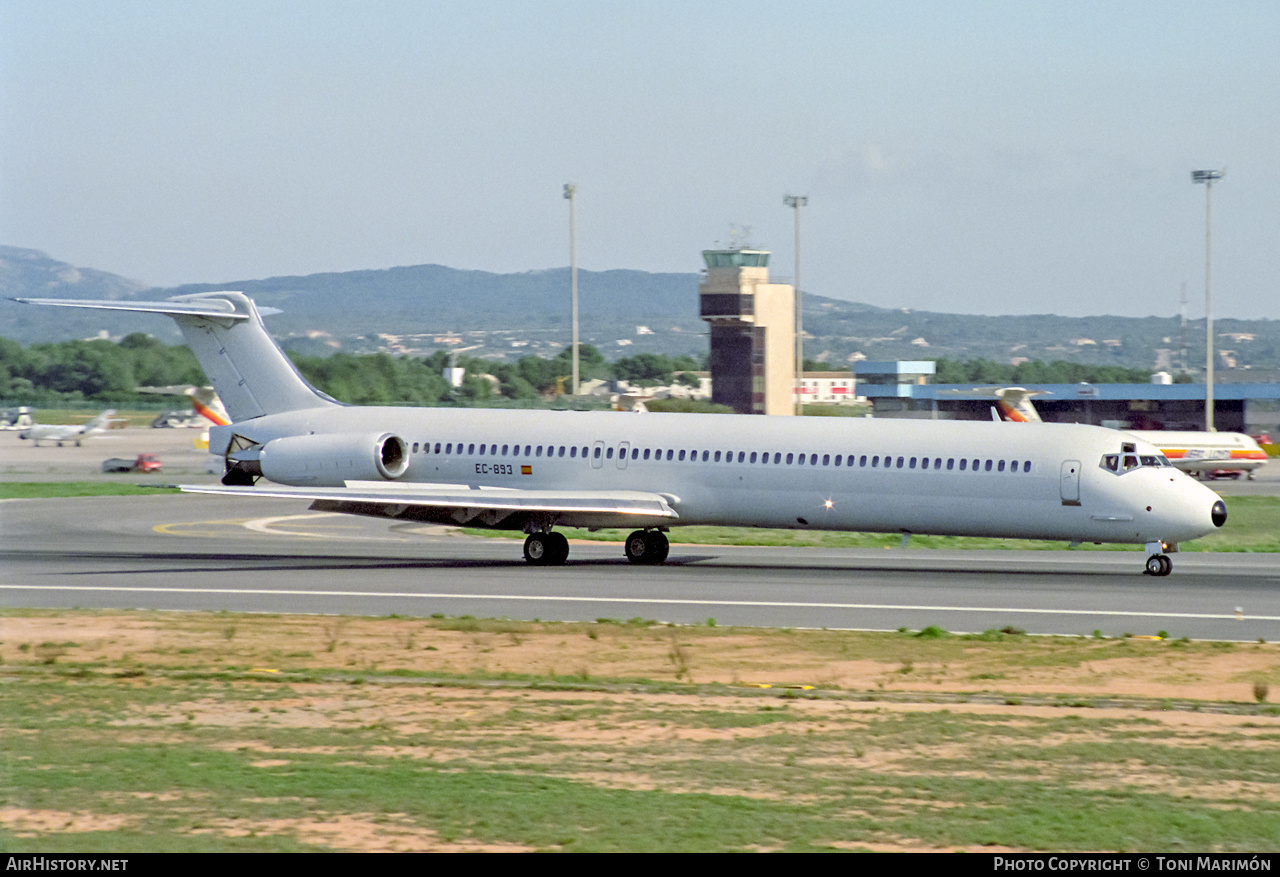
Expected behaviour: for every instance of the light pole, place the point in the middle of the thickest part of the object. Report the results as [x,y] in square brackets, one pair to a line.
[570,193]
[795,202]
[1208,177]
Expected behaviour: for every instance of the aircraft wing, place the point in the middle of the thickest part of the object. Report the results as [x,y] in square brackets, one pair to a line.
[500,508]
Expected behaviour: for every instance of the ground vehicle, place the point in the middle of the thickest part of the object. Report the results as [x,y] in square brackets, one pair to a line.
[143,463]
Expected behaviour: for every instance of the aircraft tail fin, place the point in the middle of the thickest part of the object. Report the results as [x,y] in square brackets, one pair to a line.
[207,404]
[248,370]
[99,422]
[1015,404]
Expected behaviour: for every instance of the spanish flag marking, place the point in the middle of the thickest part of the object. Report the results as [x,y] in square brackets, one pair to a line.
[526,470]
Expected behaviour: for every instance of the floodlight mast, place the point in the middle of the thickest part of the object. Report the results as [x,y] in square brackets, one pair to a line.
[570,193]
[795,202]
[1208,178]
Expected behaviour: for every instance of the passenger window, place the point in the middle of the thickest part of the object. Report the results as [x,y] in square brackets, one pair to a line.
[951,463]
[988,465]
[753,457]
[837,460]
[900,459]
[875,461]
[911,464]
[862,461]
[681,457]
[964,465]
[1000,468]
[790,457]
[1026,467]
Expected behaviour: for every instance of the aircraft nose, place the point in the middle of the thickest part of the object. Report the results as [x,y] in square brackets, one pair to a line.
[1218,514]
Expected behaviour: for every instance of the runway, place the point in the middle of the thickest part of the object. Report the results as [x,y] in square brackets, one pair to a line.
[210,553]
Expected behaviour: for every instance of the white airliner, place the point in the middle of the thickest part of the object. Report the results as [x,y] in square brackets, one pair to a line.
[42,432]
[1200,453]
[533,471]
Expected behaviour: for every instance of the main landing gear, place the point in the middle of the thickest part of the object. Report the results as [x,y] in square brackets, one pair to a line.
[647,546]
[552,549]
[546,549]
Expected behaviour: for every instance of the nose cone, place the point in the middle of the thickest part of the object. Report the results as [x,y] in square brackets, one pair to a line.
[1218,514]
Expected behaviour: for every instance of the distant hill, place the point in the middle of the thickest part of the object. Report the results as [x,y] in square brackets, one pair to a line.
[510,315]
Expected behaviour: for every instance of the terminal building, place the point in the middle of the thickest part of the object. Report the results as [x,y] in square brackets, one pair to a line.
[902,389]
[752,322]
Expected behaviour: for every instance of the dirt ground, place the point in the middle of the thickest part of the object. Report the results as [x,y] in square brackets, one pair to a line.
[744,657]
[1198,684]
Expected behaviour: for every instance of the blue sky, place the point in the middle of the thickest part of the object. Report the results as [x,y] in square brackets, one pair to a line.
[972,157]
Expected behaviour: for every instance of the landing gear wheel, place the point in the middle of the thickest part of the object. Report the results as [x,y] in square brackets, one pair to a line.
[559,546]
[647,546]
[546,549]
[1159,565]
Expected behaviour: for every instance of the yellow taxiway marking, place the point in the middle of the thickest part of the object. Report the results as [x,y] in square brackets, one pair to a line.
[264,525]
[261,525]
[168,529]
[270,526]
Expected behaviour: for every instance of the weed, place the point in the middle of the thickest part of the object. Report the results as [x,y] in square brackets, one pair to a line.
[932,632]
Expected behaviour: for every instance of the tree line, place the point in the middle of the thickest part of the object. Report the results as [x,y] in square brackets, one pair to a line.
[106,371]
[986,371]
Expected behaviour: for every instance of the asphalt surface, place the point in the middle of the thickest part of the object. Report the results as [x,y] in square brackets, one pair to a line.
[213,553]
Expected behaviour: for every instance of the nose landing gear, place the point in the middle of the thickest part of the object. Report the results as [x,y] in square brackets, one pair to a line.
[1158,563]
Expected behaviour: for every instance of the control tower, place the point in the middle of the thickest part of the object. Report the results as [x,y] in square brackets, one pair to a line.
[752,321]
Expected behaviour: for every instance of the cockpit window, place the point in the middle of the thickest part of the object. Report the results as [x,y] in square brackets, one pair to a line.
[1127,461]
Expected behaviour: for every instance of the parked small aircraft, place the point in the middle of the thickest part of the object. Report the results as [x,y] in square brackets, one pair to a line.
[533,471]
[39,432]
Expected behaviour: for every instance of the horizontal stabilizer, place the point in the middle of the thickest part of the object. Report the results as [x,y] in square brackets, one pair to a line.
[207,308]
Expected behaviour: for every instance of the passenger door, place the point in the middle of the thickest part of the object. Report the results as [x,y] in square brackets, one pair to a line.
[1071,482]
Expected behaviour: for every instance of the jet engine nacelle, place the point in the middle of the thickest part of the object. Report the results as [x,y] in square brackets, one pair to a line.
[309,459]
